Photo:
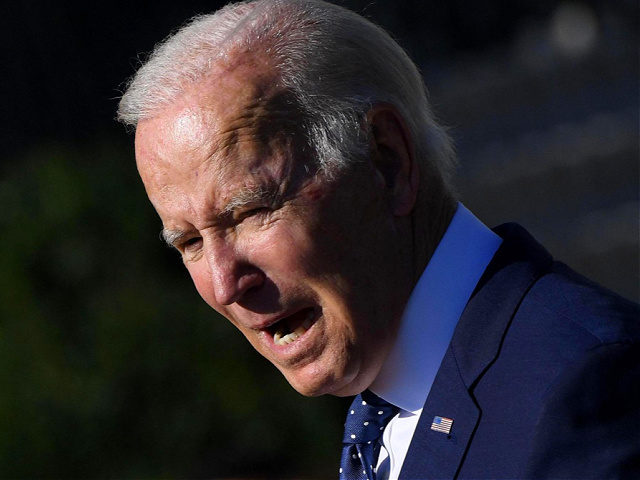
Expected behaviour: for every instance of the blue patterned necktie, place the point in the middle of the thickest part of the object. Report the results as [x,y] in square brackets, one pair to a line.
[367,417]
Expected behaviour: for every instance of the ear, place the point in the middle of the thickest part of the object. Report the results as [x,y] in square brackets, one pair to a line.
[393,156]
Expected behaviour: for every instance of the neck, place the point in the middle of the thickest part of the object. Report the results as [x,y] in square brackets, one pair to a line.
[435,207]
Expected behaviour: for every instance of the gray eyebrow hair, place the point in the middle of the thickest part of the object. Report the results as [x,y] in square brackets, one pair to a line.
[251,195]
[171,237]
[246,196]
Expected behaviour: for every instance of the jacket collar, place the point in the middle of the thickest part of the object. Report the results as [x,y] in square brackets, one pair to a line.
[476,342]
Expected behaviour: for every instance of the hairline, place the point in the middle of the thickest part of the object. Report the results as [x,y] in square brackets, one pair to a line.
[333,113]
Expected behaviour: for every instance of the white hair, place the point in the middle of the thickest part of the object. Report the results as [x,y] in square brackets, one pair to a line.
[335,64]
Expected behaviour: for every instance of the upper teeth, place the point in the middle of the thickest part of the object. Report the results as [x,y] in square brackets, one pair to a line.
[280,339]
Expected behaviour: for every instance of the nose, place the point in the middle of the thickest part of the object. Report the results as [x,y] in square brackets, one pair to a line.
[232,274]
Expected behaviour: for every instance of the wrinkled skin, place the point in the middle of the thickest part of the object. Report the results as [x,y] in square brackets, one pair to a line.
[265,238]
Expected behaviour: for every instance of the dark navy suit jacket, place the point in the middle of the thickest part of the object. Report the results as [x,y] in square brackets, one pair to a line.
[541,378]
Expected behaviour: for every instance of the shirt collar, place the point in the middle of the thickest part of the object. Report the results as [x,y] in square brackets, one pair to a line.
[433,310]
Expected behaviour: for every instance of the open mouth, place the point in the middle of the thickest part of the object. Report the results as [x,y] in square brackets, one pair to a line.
[290,328]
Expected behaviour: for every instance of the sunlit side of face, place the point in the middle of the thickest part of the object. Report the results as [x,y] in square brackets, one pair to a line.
[312,271]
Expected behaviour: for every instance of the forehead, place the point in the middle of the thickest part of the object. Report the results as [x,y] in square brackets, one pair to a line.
[230,122]
[214,111]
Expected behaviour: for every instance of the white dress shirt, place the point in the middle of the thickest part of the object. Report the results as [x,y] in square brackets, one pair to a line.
[431,315]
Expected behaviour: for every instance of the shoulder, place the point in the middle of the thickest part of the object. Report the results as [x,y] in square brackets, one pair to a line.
[548,357]
[560,320]
[552,361]
[560,300]
[563,295]
[586,425]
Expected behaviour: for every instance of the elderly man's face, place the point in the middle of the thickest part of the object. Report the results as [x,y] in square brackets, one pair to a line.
[307,268]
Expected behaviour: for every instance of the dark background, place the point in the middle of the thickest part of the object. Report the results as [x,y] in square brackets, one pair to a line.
[111,365]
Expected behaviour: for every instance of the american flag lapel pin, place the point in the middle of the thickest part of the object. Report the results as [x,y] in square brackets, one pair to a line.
[442,424]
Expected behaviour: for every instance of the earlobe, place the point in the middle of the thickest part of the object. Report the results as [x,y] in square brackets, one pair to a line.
[393,156]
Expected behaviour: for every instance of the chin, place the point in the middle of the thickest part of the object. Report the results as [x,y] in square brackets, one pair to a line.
[310,387]
[316,384]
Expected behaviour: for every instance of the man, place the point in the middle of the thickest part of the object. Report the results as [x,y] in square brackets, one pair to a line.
[289,149]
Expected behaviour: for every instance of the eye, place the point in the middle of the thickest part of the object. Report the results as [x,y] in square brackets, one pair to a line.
[191,244]
[255,212]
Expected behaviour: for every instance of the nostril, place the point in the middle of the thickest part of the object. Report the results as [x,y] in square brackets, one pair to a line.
[250,282]
[251,289]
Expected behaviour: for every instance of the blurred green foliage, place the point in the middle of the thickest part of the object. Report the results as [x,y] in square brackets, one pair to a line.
[110,364]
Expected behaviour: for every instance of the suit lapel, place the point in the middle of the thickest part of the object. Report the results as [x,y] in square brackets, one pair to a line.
[476,342]
[434,454]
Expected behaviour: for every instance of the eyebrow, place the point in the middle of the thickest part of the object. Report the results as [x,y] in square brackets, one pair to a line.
[247,196]
[251,196]
[171,237]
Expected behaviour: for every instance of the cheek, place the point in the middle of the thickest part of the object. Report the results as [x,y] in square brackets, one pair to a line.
[284,248]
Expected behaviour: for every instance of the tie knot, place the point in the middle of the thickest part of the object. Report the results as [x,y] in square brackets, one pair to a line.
[367,417]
